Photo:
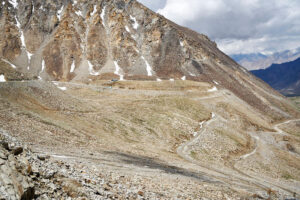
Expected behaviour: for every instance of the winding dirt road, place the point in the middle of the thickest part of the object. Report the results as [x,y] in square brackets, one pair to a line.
[226,175]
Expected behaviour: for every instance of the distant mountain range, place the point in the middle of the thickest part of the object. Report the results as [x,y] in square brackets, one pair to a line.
[283,77]
[261,61]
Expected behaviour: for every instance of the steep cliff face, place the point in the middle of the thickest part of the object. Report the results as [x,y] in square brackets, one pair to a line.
[80,40]
[66,40]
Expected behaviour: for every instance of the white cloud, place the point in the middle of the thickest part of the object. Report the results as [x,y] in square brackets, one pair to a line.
[184,12]
[238,26]
[154,4]
[266,45]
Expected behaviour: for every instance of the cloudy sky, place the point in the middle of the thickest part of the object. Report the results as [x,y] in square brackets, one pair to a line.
[238,26]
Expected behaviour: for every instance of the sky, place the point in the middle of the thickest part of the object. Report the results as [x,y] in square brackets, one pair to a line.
[238,26]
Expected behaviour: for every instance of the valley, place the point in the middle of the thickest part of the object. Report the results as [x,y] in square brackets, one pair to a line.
[175,130]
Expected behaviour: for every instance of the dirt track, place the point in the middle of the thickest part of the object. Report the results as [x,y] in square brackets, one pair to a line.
[184,151]
[149,154]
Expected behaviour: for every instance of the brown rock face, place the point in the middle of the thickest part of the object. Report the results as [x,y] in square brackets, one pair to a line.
[77,40]
[95,36]
[97,51]
[10,44]
[54,60]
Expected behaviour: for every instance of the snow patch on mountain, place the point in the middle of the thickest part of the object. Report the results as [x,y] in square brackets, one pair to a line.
[201,124]
[79,13]
[213,89]
[12,65]
[29,55]
[13,2]
[213,115]
[91,69]
[43,68]
[216,82]
[62,88]
[43,65]
[22,35]
[59,13]
[102,15]
[181,43]
[72,67]
[135,25]
[127,29]
[191,74]
[118,69]
[148,67]
[94,11]
[2,78]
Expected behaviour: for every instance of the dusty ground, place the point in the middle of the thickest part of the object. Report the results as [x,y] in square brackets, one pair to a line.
[180,139]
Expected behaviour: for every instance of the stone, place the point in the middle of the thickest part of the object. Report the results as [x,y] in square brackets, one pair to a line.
[106,187]
[290,147]
[3,156]
[43,157]
[23,165]
[35,170]
[5,178]
[49,174]
[28,194]
[5,145]
[18,150]
[141,193]
[285,138]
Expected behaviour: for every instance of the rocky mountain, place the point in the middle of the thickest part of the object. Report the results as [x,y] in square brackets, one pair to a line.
[96,40]
[283,77]
[109,100]
[65,40]
[261,61]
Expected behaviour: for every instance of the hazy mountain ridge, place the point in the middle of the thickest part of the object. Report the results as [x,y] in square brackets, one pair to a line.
[261,61]
[283,77]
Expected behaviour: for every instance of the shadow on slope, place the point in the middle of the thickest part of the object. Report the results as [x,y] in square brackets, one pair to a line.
[143,161]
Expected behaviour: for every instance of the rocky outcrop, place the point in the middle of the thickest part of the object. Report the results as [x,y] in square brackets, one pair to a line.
[15,173]
[30,175]
[25,175]
[73,40]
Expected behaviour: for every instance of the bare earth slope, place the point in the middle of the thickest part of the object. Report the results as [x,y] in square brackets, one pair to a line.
[180,139]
